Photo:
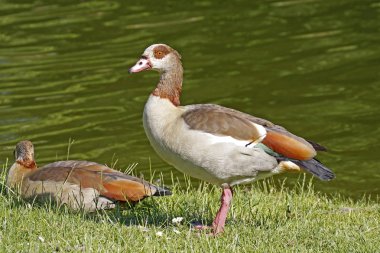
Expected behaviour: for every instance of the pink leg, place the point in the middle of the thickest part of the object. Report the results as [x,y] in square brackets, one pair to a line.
[220,219]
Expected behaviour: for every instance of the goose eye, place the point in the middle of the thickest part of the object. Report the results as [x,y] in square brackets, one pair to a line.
[158,54]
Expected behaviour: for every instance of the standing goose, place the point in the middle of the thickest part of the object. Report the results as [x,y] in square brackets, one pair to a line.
[213,143]
[78,184]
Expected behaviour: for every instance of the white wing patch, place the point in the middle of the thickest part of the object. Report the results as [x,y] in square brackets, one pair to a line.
[228,139]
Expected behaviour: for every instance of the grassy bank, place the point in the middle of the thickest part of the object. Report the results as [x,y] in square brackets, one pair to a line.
[262,219]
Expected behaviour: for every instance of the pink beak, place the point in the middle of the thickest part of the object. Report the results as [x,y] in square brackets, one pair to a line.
[141,65]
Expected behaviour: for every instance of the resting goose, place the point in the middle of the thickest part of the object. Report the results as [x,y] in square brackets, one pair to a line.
[78,184]
[213,143]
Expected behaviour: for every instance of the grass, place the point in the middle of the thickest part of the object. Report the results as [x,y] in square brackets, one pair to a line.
[263,218]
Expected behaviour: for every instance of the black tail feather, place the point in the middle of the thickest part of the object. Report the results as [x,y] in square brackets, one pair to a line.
[316,146]
[316,168]
[162,191]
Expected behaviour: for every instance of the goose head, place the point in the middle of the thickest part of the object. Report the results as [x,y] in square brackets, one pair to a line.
[159,57]
[24,152]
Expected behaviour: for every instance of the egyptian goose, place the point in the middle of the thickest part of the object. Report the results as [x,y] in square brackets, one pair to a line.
[213,143]
[78,184]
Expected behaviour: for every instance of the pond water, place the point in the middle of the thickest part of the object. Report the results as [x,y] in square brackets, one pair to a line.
[309,65]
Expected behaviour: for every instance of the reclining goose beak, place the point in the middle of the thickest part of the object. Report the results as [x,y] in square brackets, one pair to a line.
[141,65]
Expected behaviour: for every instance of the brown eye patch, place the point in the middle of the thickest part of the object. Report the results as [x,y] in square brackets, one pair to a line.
[160,52]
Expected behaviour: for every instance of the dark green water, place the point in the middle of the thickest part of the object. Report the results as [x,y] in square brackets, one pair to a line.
[311,66]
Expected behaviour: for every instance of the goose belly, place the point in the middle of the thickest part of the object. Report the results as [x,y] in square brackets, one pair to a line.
[169,153]
[74,196]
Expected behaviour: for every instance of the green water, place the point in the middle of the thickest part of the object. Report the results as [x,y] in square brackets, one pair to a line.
[311,66]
